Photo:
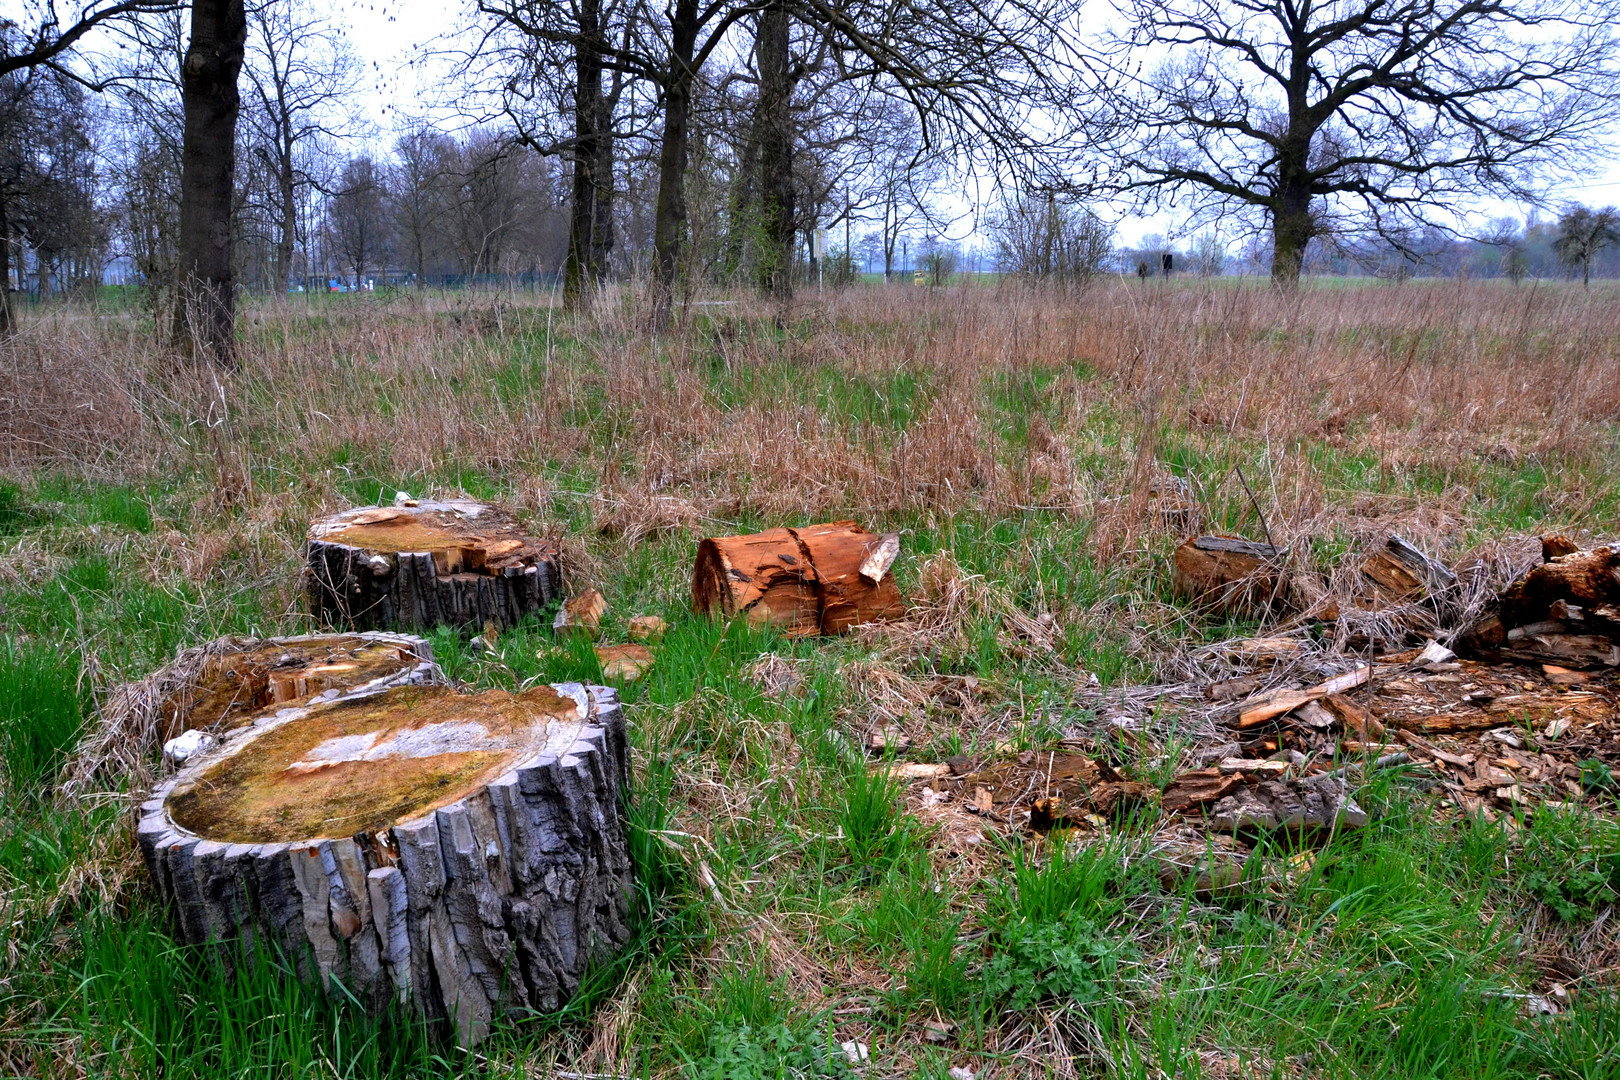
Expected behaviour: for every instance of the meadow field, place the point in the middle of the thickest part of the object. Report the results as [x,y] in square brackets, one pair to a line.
[791,899]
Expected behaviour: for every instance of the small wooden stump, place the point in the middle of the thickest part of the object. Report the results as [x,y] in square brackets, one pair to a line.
[456,563]
[464,853]
[821,579]
[1225,574]
[1565,611]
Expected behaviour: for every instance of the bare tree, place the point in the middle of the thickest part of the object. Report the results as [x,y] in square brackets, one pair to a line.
[40,37]
[1048,236]
[298,70]
[205,311]
[425,161]
[1351,115]
[563,69]
[357,216]
[1582,234]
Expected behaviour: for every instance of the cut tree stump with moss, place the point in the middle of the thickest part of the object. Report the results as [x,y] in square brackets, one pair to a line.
[225,683]
[819,579]
[425,564]
[465,854]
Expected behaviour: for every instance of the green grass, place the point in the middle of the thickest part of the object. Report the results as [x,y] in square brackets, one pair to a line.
[768,855]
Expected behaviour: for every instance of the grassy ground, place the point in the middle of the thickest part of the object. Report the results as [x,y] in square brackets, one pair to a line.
[790,901]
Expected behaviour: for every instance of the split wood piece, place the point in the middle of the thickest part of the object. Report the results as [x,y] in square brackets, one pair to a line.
[456,563]
[1403,572]
[227,682]
[1281,702]
[465,854]
[1226,574]
[1198,788]
[821,579]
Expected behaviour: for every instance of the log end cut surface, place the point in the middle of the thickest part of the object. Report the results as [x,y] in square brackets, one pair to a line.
[457,533]
[362,765]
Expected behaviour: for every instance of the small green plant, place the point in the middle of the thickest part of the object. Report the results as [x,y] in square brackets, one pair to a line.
[1571,862]
[1597,776]
[872,821]
[1049,941]
[1065,961]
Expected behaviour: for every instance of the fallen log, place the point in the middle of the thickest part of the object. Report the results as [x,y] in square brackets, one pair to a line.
[1565,611]
[425,564]
[463,854]
[819,579]
[1227,575]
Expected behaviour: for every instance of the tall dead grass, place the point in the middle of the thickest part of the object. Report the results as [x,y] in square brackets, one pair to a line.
[1448,378]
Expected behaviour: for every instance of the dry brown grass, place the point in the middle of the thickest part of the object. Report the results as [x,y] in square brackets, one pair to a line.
[1442,377]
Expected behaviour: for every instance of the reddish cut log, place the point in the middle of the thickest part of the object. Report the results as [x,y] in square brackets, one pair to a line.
[1224,574]
[805,581]
[463,854]
[456,563]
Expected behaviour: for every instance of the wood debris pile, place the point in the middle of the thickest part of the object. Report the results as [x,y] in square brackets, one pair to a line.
[1527,719]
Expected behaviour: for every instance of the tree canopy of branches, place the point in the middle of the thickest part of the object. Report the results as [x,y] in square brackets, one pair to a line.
[1582,233]
[41,37]
[1347,116]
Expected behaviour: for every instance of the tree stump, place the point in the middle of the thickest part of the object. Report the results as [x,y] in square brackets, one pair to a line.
[1225,574]
[227,682]
[821,579]
[426,564]
[463,853]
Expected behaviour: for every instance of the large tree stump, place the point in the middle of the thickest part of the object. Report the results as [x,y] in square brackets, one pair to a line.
[225,683]
[426,564]
[821,579]
[464,853]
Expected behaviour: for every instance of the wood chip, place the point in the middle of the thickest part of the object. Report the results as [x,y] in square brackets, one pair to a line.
[912,770]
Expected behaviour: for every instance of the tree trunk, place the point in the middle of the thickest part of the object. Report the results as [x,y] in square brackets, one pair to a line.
[463,854]
[7,323]
[452,564]
[289,218]
[669,223]
[774,122]
[1291,231]
[590,231]
[205,312]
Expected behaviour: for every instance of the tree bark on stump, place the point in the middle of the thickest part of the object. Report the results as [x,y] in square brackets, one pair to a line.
[1565,611]
[820,579]
[455,563]
[465,854]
